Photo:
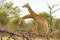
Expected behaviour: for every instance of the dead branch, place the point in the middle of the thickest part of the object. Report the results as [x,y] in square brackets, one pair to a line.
[11,33]
[53,6]
[56,10]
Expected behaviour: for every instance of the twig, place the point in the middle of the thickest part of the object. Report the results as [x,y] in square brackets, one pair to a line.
[56,10]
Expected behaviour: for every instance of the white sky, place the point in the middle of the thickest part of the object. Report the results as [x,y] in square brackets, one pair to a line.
[37,6]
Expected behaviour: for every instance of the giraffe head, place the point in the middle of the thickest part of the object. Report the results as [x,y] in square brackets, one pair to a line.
[26,5]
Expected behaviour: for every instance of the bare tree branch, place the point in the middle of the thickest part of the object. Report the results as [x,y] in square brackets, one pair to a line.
[48,6]
[55,5]
[56,10]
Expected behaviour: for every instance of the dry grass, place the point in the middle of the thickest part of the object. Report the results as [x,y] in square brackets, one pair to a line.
[5,38]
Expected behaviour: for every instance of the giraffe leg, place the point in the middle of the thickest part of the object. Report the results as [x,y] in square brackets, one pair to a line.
[48,36]
[35,29]
[46,29]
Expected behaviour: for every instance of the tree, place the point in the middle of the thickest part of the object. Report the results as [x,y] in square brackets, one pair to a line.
[9,17]
[45,15]
[51,12]
[52,21]
[9,14]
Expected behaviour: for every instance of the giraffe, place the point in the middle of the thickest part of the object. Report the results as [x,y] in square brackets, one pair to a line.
[38,20]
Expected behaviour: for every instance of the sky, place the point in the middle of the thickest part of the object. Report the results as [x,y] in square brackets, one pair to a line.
[37,6]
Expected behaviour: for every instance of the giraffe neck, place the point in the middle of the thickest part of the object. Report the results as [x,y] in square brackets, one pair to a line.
[30,10]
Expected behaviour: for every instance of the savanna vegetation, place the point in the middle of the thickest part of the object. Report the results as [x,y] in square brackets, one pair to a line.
[12,30]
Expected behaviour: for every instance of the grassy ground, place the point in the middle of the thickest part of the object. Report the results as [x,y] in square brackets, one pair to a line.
[4,38]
